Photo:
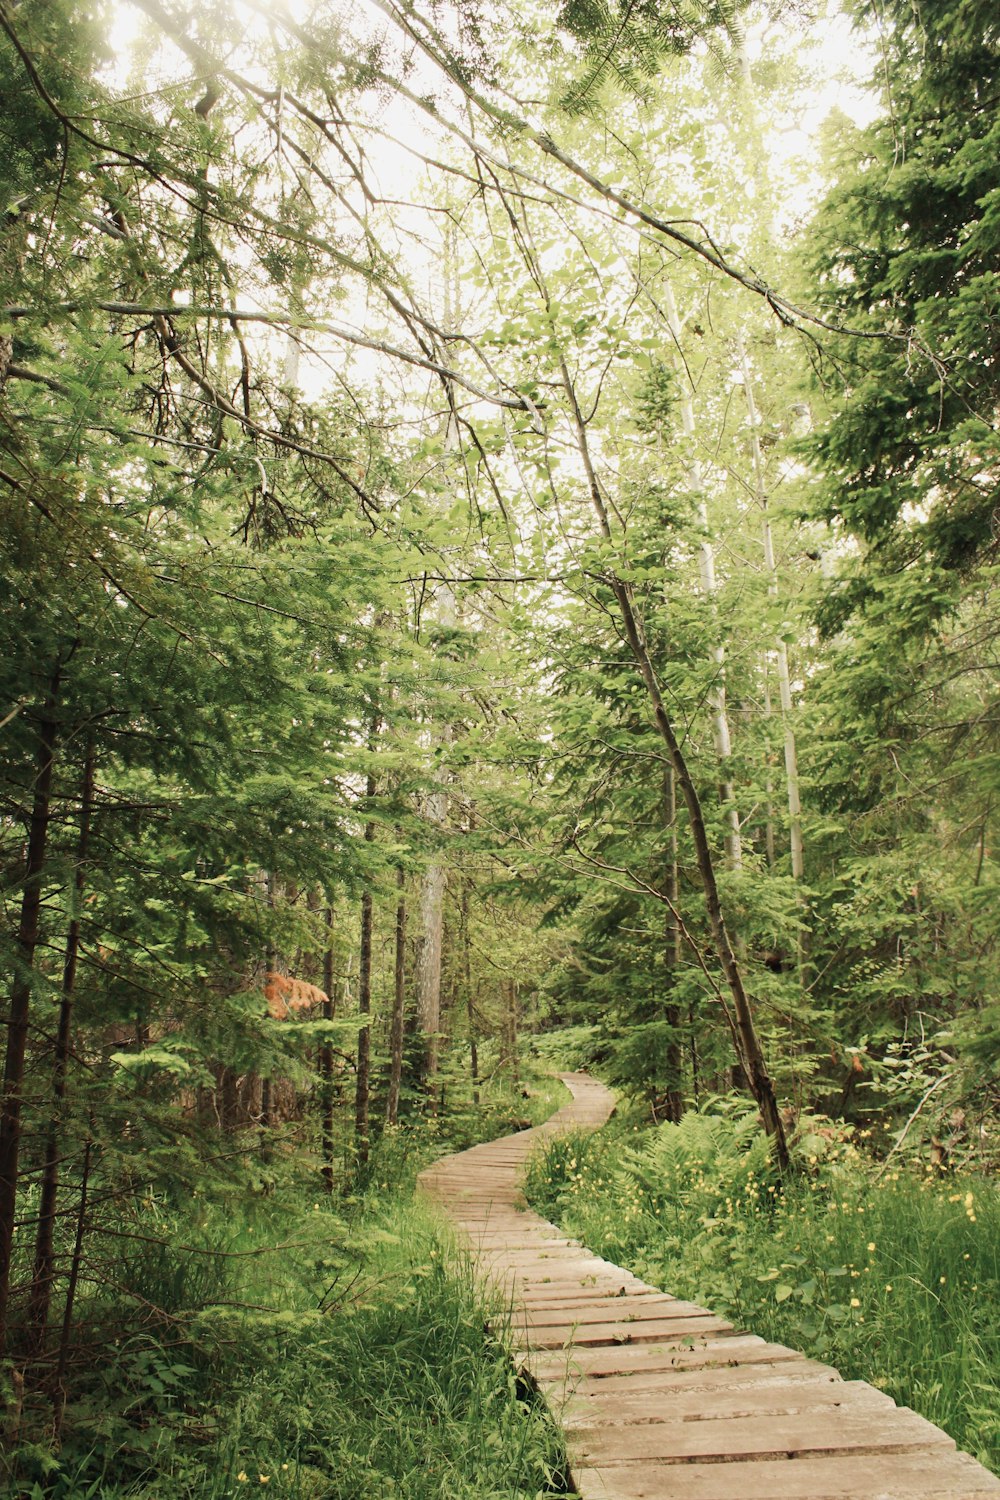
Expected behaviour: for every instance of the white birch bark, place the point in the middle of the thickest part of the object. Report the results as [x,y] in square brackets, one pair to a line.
[721,736]
[780,649]
[427,976]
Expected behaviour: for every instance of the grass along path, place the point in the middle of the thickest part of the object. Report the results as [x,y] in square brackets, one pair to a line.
[894,1279]
[321,1348]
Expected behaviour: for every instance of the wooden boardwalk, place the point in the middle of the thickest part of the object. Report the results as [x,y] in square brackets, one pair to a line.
[659,1398]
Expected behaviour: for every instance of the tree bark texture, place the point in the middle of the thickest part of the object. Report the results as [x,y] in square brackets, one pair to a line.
[20,998]
[398,1007]
[674,1102]
[428,971]
[41,1284]
[326,1062]
[362,1092]
[509,1027]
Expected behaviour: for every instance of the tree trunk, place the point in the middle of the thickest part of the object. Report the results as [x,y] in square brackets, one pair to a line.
[20,998]
[768,779]
[674,1102]
[363,1089]
[41,1284]
[470,1007]
[74,1278]
[326,1062]
[398,1006]
[781,650]
[508,1028]
[740,1019]
[270,967]
[721,735]
[428,968]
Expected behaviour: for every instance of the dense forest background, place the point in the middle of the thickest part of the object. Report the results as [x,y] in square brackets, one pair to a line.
[499,510]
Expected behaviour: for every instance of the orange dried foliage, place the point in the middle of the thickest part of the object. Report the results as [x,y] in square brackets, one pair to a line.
[283,995]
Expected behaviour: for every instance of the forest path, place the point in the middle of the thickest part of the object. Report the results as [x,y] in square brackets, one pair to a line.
[660,1398]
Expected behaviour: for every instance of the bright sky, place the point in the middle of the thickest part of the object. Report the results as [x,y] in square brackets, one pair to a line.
[833,57]
[834,54]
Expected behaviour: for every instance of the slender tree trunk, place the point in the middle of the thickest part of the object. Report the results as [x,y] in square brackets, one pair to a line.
[230,1103]
[270,967]
[75,1264]
[470,1008]
[508,1031]
[693,1052]
[20,998]
[706,553]
[769,779]
[429,952]
[326,1061]
[427,976]
[363,1090]
[781,650]
[41,1285]
[398,1006]
[672,954]
[740,1018]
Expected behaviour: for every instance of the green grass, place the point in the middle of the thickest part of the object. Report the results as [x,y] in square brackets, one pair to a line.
[892,1279]
[322,1348]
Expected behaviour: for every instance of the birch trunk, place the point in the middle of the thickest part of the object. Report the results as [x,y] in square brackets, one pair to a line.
[721,735]
[780,649]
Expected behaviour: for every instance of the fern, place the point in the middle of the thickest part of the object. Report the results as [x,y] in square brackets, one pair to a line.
[705,1156]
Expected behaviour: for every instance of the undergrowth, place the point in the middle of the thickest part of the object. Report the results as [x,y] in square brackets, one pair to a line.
[890,1275]
[308,1346]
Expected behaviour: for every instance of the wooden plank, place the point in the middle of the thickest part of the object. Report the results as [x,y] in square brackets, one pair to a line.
[633,1310]
[637,1332]
[744,1349]
[900,1476]
[781,1395]
[867,1427]
[700,1381]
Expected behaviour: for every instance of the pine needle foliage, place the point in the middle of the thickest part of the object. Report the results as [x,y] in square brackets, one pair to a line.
[626,42]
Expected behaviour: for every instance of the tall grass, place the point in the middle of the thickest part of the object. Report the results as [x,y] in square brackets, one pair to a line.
[893,1277]
[316,1347]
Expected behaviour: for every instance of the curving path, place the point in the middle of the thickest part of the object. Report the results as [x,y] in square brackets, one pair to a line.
[660,1399]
